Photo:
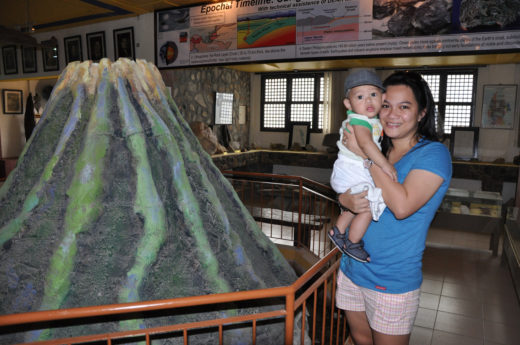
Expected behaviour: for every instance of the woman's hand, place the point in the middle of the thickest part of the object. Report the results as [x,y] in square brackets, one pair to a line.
[356,203]
[349,140]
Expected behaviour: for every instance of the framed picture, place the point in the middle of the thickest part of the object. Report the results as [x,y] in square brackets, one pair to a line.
[10,59]
[299,133]
[96,46]
[73,50]
[12,101]
[29,59]
[50,55]
[498,106]
[464,143]
[124,43]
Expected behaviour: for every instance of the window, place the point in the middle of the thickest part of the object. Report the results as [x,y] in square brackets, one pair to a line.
[292,98]
[454,94]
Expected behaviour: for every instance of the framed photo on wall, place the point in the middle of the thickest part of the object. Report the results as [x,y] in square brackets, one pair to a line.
[29,59]
[124,43]
[464,143]
[73,49]
[498,106]
[12,101]
[96,47]
[299,133]
[50,55]
[10,60]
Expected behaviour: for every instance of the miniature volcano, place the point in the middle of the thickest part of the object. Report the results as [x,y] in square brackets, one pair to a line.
[114,200]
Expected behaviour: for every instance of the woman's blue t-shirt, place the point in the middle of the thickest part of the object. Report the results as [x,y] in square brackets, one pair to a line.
[396,246]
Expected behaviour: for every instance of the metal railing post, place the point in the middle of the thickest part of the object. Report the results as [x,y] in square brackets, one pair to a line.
[289,318]
[300,203]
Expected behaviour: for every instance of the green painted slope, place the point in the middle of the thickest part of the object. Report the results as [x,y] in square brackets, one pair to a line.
[114,200]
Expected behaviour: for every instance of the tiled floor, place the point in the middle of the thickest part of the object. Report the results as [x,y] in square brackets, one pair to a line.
[467,296]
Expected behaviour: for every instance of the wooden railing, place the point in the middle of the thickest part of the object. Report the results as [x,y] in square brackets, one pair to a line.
[305,310]
[290,210]
[310,296]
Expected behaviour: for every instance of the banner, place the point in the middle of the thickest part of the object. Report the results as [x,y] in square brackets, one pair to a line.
[244,31]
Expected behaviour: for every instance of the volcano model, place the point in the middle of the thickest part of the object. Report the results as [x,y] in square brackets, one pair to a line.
[113,200]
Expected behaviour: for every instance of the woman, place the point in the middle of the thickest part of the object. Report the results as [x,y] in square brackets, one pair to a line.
[381,298]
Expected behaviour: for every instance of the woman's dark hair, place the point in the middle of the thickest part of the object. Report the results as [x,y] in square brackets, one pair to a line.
[427,127]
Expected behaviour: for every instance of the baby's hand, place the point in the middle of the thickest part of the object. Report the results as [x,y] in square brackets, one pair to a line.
[390,171]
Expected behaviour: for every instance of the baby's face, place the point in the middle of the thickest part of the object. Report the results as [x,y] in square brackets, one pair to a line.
[365,100]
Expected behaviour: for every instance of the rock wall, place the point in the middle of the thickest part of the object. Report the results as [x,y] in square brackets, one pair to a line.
[194,91]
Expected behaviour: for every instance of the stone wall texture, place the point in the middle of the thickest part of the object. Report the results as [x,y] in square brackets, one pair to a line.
[194,92]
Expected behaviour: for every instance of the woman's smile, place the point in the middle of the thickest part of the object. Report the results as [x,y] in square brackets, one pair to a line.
[399,114]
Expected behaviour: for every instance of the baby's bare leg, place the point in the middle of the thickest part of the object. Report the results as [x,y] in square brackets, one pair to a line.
[359,226]
[344,220]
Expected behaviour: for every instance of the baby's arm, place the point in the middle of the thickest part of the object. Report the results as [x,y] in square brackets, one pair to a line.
[365,142]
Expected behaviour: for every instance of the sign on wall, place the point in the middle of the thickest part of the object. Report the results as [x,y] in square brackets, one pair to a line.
[243,31]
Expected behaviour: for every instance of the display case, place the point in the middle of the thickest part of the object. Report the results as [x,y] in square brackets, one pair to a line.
[473,211]
[477,203]
[511,251]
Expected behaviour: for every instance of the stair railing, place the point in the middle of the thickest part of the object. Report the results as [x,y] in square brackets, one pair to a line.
[291,210]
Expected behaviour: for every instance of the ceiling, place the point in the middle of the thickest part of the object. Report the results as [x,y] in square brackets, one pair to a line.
[48,15]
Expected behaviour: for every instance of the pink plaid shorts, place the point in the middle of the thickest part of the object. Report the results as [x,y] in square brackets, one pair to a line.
[387,313]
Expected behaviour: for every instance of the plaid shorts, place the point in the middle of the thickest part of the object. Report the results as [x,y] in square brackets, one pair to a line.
[387,313]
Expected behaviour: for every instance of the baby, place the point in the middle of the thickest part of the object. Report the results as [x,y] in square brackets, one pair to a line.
[363,99]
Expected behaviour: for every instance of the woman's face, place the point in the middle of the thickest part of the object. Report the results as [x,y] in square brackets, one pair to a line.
[400,114]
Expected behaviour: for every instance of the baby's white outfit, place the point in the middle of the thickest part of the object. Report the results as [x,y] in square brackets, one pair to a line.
[348,171]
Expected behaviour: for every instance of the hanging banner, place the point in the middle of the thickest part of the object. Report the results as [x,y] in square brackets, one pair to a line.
[244,31]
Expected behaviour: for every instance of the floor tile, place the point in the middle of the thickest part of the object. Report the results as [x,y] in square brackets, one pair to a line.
[429,301]
[433,273]
[425,318]
[460,291]
[445,338]
[421,336]
[459,324]
[502,333]
[431,286]
[507,313]
[460,306]
[490,342]
[506,297]
[477,303]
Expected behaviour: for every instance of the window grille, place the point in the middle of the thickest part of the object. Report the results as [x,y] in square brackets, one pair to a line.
[454,95]
[292,98]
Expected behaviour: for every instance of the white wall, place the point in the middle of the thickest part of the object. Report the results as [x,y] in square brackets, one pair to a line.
[12,133]
[496,143]
[143,36]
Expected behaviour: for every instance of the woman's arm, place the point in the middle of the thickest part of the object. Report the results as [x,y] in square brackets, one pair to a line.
[405,199]
[402,199]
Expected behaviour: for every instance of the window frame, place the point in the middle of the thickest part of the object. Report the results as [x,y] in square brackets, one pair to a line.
[288,102]
[443,103]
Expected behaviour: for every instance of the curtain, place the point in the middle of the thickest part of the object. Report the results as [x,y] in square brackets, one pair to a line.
[327,109]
